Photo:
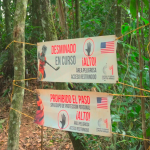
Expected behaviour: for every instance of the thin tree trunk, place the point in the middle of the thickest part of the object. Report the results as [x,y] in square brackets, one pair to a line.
[142,33]
[78,26]
[149,41]
[66,25]
[36,23]
[118,33]
[141,67]
[8,27]
[73,19]
[19,73]
[50,35]
[127,19]
[6,4]
[47,21]
[0,23]
[62,17]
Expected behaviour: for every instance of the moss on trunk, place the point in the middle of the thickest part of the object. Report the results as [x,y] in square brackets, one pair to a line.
[19,73]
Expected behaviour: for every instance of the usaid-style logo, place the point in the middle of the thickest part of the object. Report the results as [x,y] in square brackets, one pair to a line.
[88,47]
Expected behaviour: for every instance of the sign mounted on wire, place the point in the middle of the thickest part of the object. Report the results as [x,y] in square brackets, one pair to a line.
[83,60]
[76,111]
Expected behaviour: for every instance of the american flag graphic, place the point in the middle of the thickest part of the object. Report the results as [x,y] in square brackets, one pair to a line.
[108,47]
[102,102]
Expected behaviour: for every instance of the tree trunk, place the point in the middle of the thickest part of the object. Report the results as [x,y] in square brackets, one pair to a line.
[6,4]
[19,73]
[149,41]
[66,25]
[47,21]
[0,25]
[118,33]
[50,35]
[141,67]
[127,19]
[8,27]
[73,19]
[62,17]
[36,23]
[142,34]
[78,26]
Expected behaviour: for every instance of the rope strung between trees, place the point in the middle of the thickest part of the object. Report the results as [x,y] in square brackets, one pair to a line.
[110,94]
[14,41]
[110,132]
[132,31]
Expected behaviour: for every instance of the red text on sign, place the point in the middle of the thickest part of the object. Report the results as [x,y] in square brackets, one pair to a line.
[88,61]
[84,99]
[55,98]
[62,49]
[83,115]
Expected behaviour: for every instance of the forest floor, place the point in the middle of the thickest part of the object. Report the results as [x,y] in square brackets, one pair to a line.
[30,133]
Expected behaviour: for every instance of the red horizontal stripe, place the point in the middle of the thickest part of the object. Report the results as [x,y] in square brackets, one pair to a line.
[103,108]
[108,49]
[107,52]
[110,42]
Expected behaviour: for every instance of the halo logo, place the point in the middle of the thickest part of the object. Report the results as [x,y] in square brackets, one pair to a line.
[88,47]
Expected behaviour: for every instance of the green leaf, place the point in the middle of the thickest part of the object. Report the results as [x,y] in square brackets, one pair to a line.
[133,8]
[148,132]
[2,121]
[138,108]
[147,115]
[145,21]
[146,3]
[116,118]
[146,59]
[119,1]
[97,87]
[5,93]
[131,126]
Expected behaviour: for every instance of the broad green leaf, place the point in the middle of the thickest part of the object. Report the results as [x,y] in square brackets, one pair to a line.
[2,121]
[146,3]
[146,59]
[147,115]
[145,21]
[131,126]
[119,1]
[148,132]
[133,7]
[138,108]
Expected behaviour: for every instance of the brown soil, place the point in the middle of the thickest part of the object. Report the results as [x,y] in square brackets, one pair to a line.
[30,133]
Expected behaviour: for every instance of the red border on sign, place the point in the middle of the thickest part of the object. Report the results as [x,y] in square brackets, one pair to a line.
[58,120]
[93,46]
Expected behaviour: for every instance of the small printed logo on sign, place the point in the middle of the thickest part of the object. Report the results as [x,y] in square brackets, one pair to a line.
[108,72]
[103,123]
[63,119]
[88,47]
